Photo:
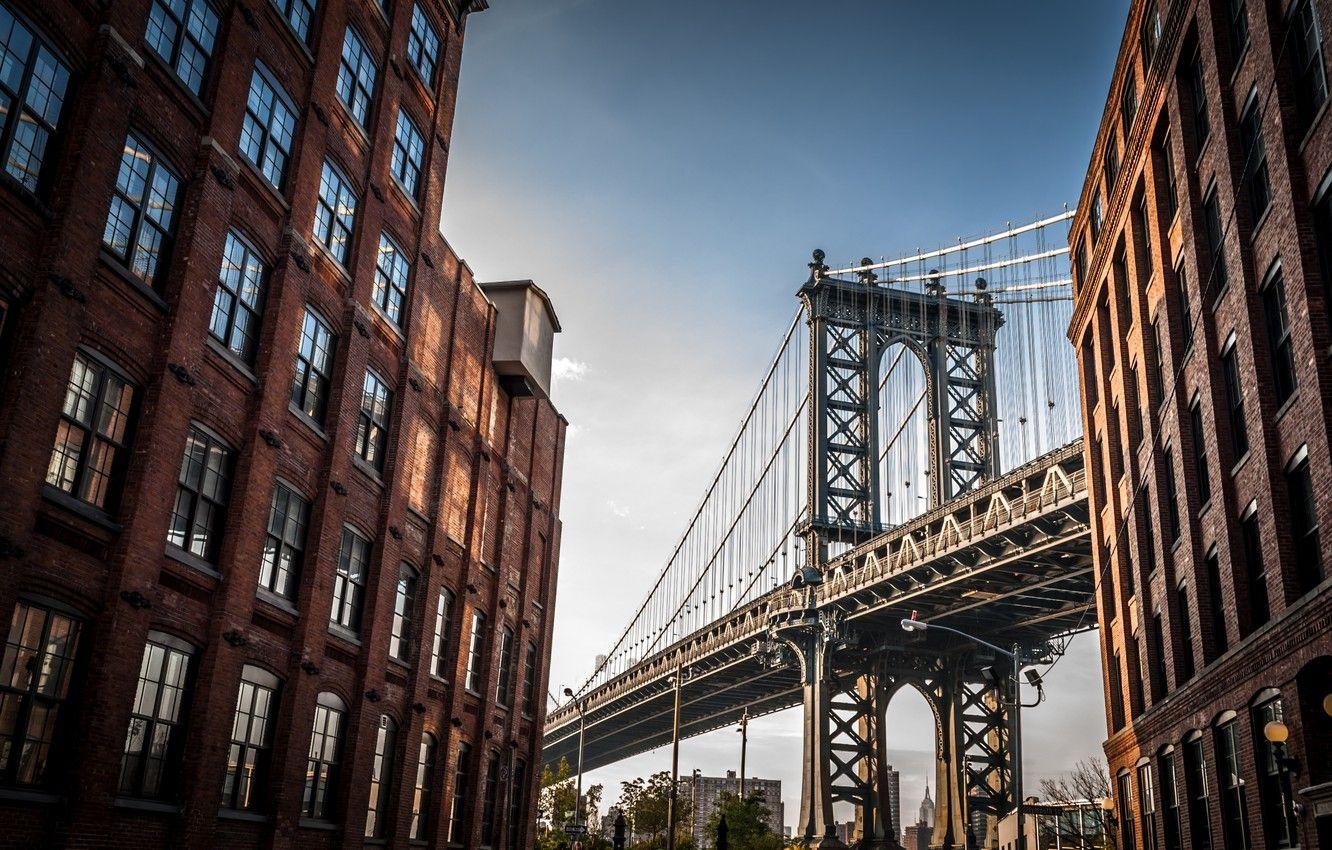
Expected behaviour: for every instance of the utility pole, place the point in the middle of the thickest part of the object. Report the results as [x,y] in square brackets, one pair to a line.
[672,808]
[744,744]
[1016,744]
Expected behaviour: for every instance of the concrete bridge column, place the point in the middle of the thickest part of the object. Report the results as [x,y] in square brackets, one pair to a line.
[816,812]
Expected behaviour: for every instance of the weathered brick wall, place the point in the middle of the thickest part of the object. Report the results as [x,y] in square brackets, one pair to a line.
[65,292]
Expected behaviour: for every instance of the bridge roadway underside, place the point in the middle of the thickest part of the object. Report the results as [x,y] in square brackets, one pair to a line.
[1010,561]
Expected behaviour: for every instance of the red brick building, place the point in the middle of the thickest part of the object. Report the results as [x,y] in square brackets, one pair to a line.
[1202,253]
[279,515]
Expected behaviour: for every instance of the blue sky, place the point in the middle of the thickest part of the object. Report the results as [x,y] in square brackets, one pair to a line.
[663,171]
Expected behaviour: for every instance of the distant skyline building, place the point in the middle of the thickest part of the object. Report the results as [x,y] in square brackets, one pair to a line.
[918,835]
[895,799]
[703,793]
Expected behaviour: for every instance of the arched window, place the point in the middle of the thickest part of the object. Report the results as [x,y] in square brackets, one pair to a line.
[1278,825]
[404,602]
[156,734]
[38,658]
[1230,784]
[381,777]
[425,770]
[504,681]
[245,784]
[321,770]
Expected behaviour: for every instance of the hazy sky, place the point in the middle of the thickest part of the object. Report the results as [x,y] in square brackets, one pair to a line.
[663,170]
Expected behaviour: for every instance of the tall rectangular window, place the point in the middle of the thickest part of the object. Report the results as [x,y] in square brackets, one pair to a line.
[1166,151]
[1158,362]
[1255,571]
[1184,660]
[1147,806]
[423,45]
[1171,496]
[529,680]
[1216,602]
[314,366]
[392,271]
[1127,824]
[504,681]
[284,542]
[34,685]
[1255,157]
[269,127]
[1080,263]
[1169,802]
[517,804]
[1322,233]
[1200,452]
[356,77]
[245,784]
[1279,827]
[182,32]
[335,213]
[476,653]
[1128,100]
[1148,520]
[1304,523]
[349,580]
[404,613]
[324,758]
[33,86]
[141,219]
[299,14]
[1239,27]
[1306,58]
[425,771]
[372,420]
[1149,38]
[1185,308]
[1144,225]
[1157,663]
[92,435]
[1279,341]
[1202,127]
[1239,431]
[1097,216]
[1111,162]
[1195,785]
[439,647]
[462,792]
[1230,788]
[490,800]
[238,299]
[381,777]
[1218,280]
[153,742]
[408,155]
[201,495]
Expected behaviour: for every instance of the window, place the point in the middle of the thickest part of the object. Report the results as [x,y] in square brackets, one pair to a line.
[1255,156]
[372,421]
[504,681]
[314,367]
[1306,57]
[152,745]
[489,804]
[1147,806]
[1127,827]
[476,653]
[91,437]
[1239,27]
[1184,661]
[201,495]
[425,770]
[443,622]
[1279,827]
[408,154]
[517,804]
[529,681]
[182,33]
[143,206]
[335,213]
[1217,280]
[1198,89]
[1080,263]
[1230,787]
[1128,100]
[1279,340]
[1111,161]
[1115,693]
[1215,602]
[1304,522]
[422,45]
[381,777]
[1148,519]
[33,84]
[462,790]
[1255,569]
[1239,431]
[1171,496]
[349,582]
[1150,36]
[1097,216]
[1322,232]
[1195,784]
[284,542]
[298,14]
[269,127]
[391,272]
[1157,664]
[238,300]
[1144,226]
[321,766]
[34,684]
[1200,452]
[1158,361]
[1185,308]
[356,77]
[1169,801]
[1166,152]
[404,603]
[245,784]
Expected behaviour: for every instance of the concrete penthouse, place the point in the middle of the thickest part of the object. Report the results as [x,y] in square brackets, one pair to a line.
[279,521]
[1202,253]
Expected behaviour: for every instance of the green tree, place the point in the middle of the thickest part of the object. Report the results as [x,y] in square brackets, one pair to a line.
[558,795]
[646,806]
[746,823]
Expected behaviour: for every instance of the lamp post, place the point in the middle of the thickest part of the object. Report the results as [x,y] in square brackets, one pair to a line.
[672,807]
[578,800]
[744,744]
[914,625]
[1277,733]
[1108,821]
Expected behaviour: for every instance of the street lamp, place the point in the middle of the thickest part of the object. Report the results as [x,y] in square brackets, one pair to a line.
[1277,733]
[578,800]
[914,625]
[744,744]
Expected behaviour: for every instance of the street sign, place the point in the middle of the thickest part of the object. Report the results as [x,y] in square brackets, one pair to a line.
[575,829]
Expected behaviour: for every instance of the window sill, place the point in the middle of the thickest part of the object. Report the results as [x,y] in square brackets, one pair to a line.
[388,320]
[23,795]
[405,666]
[406,195]
[26,196]
[1239,464]
[182,92]
[80,508]
[367,470]
[322,250]
[323,825]
[242,815]
[345,634]
[274,193]
[284,605]
[232,359]
[1286,406]
[350,120]
[285,26]
[1313,126]
[1262,219]
[306,420]
[112,263]
[191,560]
[146,806]
[1204,508]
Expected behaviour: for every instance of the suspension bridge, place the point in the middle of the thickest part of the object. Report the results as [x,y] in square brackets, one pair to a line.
[914,448]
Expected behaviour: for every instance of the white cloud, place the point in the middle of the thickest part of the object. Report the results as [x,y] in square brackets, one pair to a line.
[568,369]
[617,509]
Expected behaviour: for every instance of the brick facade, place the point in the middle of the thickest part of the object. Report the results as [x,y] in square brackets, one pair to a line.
[1202,256]
[453,486]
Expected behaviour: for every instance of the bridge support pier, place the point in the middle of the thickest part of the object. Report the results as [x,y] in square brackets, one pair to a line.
[813,641]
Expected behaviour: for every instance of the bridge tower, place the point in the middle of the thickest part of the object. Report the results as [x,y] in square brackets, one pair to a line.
[848,679]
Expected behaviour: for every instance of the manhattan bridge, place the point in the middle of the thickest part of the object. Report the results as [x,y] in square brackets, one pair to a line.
[914,450]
